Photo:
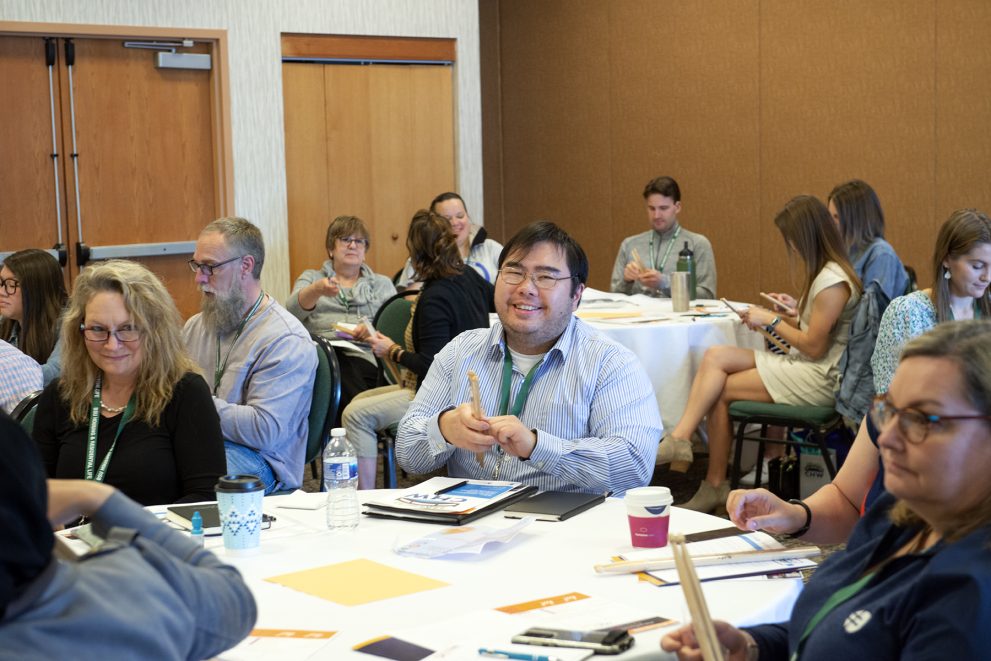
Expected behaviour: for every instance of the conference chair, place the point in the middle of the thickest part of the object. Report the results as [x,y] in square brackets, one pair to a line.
[391,320]
[853,395]
[25,410]
[817,421]
[326,400]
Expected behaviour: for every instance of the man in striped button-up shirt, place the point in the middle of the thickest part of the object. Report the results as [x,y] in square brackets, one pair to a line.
[577,412]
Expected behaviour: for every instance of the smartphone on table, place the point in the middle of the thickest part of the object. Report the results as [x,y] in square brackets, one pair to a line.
[602,641]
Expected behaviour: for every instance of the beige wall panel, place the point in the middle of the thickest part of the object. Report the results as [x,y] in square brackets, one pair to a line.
[963,115]
[489,43]
[556,133]
[847,91]
[684,103]
[27,220]
[306,164]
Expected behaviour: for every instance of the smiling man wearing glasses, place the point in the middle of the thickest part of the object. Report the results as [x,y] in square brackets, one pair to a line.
[258,359]
[564,407]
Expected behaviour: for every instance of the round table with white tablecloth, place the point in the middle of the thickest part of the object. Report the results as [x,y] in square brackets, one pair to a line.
[545,560]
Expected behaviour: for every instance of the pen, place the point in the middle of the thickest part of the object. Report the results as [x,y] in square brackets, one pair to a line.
[451,488]
[520,656]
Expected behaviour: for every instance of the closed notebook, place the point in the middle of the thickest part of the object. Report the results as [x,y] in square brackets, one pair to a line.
[554,505]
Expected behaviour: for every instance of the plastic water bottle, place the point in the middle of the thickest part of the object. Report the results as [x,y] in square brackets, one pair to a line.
[686,262]
[340,480]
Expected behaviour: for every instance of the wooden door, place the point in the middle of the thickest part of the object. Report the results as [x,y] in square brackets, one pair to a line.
[152,165]
[374,141]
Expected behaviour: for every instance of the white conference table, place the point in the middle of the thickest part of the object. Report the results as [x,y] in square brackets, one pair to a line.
[670,345]
[546,559]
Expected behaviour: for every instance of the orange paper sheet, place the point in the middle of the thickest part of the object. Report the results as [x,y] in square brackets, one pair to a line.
[356,582]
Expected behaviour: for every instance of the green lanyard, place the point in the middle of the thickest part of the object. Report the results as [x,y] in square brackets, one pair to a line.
[94,424]
[837,598]
[507,384]
[667,252]
[218,372]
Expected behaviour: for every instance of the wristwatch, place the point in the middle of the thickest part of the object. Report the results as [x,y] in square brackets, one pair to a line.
[774,322]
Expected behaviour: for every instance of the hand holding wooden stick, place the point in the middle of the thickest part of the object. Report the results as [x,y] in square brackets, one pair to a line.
[636,260]
[476,408]
[705,632]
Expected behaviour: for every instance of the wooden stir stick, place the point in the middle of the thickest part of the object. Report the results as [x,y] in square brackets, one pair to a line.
[705,632]
[476,408]
[637,260]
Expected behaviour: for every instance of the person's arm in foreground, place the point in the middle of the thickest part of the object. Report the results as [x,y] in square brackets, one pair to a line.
[225,609]
[835,506]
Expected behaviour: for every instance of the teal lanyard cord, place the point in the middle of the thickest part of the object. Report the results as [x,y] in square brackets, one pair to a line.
[218,372]
[94,425]
[837,598]
[507,384]
[667,252]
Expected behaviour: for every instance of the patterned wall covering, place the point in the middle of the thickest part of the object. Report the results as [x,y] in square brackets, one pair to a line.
[253,29]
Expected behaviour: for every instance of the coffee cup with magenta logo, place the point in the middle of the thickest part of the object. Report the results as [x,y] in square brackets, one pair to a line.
[648,510]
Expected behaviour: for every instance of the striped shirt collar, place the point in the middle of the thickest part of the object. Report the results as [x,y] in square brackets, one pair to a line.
[562,346]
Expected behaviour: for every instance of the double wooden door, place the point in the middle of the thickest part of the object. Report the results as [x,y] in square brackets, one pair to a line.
[373,140]
[105,155]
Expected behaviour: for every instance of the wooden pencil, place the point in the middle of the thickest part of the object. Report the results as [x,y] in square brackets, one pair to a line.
[637,260]
[476,407]
[705,632]
[767,555]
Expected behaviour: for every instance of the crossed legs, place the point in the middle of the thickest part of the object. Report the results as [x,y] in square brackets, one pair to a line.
[727,374]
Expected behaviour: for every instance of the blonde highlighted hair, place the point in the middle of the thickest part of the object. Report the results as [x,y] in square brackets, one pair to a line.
[809,230]
[153,312]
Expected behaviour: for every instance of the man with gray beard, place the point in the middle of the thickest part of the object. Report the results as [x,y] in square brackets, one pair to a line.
[257,357]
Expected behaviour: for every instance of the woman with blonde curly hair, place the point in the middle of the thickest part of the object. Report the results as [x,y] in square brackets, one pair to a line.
[130,407]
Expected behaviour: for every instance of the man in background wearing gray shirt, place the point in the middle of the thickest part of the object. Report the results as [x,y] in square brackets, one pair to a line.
[258,358]
[645,261]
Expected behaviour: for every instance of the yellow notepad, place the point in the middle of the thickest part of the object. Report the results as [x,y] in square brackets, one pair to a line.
[356,582]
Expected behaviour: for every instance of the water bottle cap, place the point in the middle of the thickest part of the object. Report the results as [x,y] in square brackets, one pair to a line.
[686,251]
[338,431]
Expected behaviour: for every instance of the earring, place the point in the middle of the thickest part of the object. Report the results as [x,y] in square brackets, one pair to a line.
[946,275]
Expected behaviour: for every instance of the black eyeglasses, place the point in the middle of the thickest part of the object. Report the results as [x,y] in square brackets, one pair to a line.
[10,285]
[125,333]
[354,241]
[513,276]
[208,269]
[912,423]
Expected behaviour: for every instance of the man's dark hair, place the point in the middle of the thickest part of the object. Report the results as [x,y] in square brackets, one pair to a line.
[545,231]
[665,186]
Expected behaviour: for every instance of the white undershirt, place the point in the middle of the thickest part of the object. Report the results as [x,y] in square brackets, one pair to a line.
[524,362]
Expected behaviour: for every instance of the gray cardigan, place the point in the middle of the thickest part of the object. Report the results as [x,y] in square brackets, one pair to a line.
[149,594]
[367,297]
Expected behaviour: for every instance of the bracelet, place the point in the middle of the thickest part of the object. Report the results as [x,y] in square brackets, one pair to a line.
[394,352]
[808,518]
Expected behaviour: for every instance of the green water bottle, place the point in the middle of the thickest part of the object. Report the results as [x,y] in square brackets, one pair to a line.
[686,262]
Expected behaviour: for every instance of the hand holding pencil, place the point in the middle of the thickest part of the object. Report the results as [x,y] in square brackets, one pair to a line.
[476,408]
